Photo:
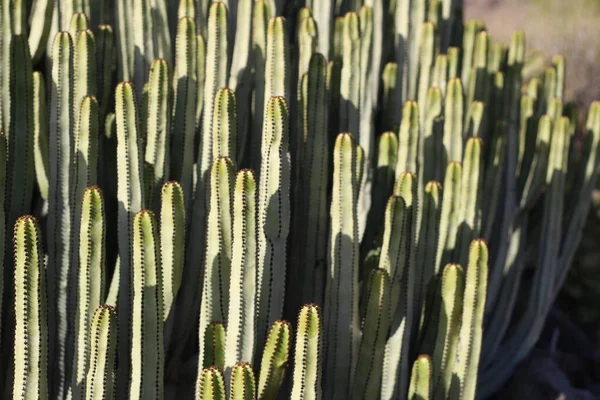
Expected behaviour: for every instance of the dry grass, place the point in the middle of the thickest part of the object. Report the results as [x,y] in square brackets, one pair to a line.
[567,27]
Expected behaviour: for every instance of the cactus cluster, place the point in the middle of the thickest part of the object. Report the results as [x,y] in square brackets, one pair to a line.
[266,199]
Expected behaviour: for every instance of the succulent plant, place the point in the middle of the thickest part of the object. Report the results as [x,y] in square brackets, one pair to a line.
[185,177]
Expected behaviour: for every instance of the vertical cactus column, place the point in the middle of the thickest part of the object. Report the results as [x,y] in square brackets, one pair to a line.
[243,383]
[308,354]
[310,257]
[90,290]
[40,135]
[341,294]
[210,385]
[275,359]
[130,196]
[375,331]
[350,77]
[100,380]
[105,59]
[31,346]
[216,78]
[260,21]
[147,355]
[273,215]
[184,107]
[20,177]
[62,145]
[156,153]
[172,242]
[466,364]
[215,290]
[242,289]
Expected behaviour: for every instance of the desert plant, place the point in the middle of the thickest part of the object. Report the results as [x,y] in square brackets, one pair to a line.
[379,173]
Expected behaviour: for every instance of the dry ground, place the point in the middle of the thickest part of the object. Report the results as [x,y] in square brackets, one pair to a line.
[567,27]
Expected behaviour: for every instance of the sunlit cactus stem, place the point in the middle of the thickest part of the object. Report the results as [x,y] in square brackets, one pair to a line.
[309,355]
[100,379]
[147,349]
[91,280]
[31,346]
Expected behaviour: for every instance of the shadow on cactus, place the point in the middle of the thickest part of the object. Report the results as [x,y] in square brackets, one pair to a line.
[267,200]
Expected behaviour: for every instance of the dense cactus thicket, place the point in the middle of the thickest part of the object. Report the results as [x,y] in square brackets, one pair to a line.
[271,199]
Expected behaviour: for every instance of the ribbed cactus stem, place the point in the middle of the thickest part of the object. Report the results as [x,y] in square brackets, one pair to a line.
[242,289]
[100,380]
[214,345]
[469,340]
[273,215]
[350,78]
[453,121]
[375,331]
[131,199]
[157,151]
[341,292]
[147,354]
[90,283]
[446,326]
[312,221]
[260,21]
[309,355]
[215,291]
[105,59]
[243,383]
[451,203]
[275,360]
[85,70]
[75,22]
[277,65]
[172,243]
[40,135]
[20,177]
[469,219]
[184,108]
[408,139]
[421,379]
[210,385]
[31,344]
[224,129]
[62,145]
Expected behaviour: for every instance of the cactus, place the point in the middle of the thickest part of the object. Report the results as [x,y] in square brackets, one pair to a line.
[275,360]
[90,282]
[31,349]
[242,288]
[99,383]
[210,385]
[215,290]
[147,314]
[341,299]
[363,207]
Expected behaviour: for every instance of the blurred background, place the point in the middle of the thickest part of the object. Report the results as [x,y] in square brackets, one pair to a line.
[567,27]
[566,361]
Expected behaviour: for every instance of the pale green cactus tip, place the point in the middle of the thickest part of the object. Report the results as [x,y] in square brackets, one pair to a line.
[275,360]
[31,351]
[100,379]
[243,382]
[421,379]
[211,385]
[308,353]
